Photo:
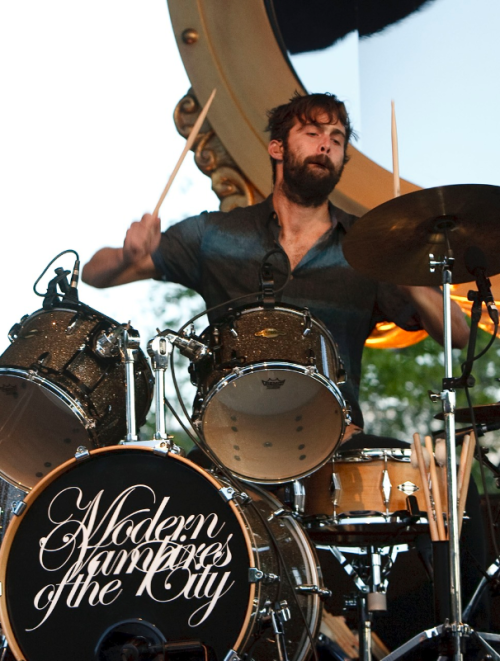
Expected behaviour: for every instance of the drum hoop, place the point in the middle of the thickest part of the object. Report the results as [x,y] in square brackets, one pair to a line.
[34,377]
[330,385]
[48,479]
[238,372]
[365,455]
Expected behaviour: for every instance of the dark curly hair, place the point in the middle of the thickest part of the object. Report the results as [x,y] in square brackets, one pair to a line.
[305,109]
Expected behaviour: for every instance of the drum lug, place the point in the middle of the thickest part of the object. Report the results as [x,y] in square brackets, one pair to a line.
[386,486]
[335,490]
[307,323]
[228,493]
[13,334]
[81,453]
[299,497]
[18,507]
[323,593]
[256,576]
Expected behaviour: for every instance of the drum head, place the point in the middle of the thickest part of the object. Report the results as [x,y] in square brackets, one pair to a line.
[40,428]
[272,425]
[120,536]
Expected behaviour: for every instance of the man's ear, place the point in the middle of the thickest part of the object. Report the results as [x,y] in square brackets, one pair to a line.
[275,149]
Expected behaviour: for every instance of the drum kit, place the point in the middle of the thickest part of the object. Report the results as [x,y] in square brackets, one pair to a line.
[148,554]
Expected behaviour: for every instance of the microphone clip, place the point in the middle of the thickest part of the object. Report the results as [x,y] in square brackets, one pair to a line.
[267,286]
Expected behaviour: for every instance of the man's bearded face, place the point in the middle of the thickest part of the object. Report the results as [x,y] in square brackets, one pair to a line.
[310,181]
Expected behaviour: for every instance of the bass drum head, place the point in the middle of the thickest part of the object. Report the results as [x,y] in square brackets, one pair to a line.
[40,428]
[120,536]
[273,423]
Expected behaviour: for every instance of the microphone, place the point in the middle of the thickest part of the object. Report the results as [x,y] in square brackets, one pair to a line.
[73,285]
[475,263]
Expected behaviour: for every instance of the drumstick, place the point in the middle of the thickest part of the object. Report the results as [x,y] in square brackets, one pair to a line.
[440,454]
[425,487]
[189,143]
[463,460]
[395,156]
[462,496]
[435,490]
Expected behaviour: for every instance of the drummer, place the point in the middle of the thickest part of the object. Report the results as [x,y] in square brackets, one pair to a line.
[219,255]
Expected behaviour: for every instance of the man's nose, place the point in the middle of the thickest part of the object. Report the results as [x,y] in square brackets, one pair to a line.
[325,145]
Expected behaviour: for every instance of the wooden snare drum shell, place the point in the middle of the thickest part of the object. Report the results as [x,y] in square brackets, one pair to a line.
[360,474]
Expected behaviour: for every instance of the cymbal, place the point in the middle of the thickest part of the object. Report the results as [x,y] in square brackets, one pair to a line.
[392,242]
[485,414]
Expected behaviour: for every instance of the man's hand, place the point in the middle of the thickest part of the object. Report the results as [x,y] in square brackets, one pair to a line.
[117,266]
[141,240]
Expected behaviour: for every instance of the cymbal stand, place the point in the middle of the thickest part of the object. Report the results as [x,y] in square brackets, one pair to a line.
[448,399]
[455,631]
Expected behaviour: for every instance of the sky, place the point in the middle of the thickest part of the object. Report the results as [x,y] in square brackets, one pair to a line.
[87,143]
[442,82]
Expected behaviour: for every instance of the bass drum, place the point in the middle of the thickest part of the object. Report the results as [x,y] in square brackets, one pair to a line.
[268,404]
[125,539]
[61,387]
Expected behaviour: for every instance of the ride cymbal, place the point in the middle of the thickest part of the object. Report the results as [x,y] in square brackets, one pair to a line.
[393,241]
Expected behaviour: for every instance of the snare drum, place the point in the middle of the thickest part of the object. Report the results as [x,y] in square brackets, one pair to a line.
[362,491]
[59,389]
[123,537]
[268,404]
[368,482]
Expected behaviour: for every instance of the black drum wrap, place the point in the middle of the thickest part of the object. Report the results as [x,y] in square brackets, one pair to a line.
[126,535]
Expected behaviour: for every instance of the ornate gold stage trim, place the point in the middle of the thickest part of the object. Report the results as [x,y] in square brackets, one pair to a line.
[231,187]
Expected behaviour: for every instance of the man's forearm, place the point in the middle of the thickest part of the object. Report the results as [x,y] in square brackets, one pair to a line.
[429,305]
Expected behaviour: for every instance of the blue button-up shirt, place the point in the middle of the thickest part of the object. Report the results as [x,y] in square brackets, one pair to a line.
[219,255]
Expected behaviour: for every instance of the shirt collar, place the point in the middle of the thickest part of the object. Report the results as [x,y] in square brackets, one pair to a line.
[337,216]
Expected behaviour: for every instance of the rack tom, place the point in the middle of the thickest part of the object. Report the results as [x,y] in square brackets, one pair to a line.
[268,403]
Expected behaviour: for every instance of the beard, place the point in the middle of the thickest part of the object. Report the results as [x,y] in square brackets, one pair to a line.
[307,185]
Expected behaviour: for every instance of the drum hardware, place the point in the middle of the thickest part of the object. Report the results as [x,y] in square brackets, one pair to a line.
[324,593]
[335,490]
[411,230]
[81,453]
[280,614]
[160,349]
[129,343]
[18,507]
[4,648]
[492,577]
[255,575]
[370,574]
[299,497]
